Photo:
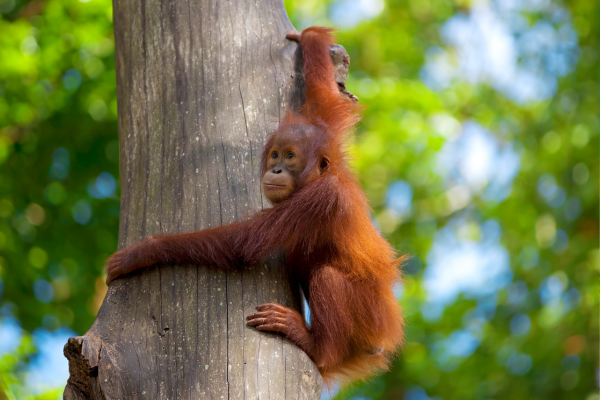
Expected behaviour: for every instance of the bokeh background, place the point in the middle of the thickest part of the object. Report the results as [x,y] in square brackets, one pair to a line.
[479,152]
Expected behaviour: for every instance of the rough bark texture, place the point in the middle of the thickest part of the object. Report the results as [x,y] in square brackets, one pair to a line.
[200,85]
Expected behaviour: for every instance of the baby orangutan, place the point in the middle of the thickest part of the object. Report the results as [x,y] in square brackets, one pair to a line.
[320,219]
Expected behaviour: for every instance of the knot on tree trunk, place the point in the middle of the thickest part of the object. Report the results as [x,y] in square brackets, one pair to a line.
[341,62]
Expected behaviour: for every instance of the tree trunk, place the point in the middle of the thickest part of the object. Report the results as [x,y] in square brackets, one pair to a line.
[200,86]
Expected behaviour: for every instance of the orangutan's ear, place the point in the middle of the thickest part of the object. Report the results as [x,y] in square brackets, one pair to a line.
[324,164]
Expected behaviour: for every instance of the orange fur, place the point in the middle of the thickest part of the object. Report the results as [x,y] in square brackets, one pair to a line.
[345,267]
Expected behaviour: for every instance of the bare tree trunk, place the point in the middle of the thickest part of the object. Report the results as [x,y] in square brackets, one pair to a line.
[200,85]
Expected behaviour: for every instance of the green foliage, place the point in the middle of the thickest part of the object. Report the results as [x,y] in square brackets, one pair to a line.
[57,91]
[59,213]
[58,133]
[400,138]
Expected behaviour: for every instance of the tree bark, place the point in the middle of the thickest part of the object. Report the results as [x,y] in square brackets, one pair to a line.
[200,86]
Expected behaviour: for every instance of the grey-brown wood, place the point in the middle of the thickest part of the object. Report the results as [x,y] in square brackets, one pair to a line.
[200,85]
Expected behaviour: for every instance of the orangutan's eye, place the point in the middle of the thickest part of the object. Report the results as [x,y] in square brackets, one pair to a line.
[275,155]
[289,155]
